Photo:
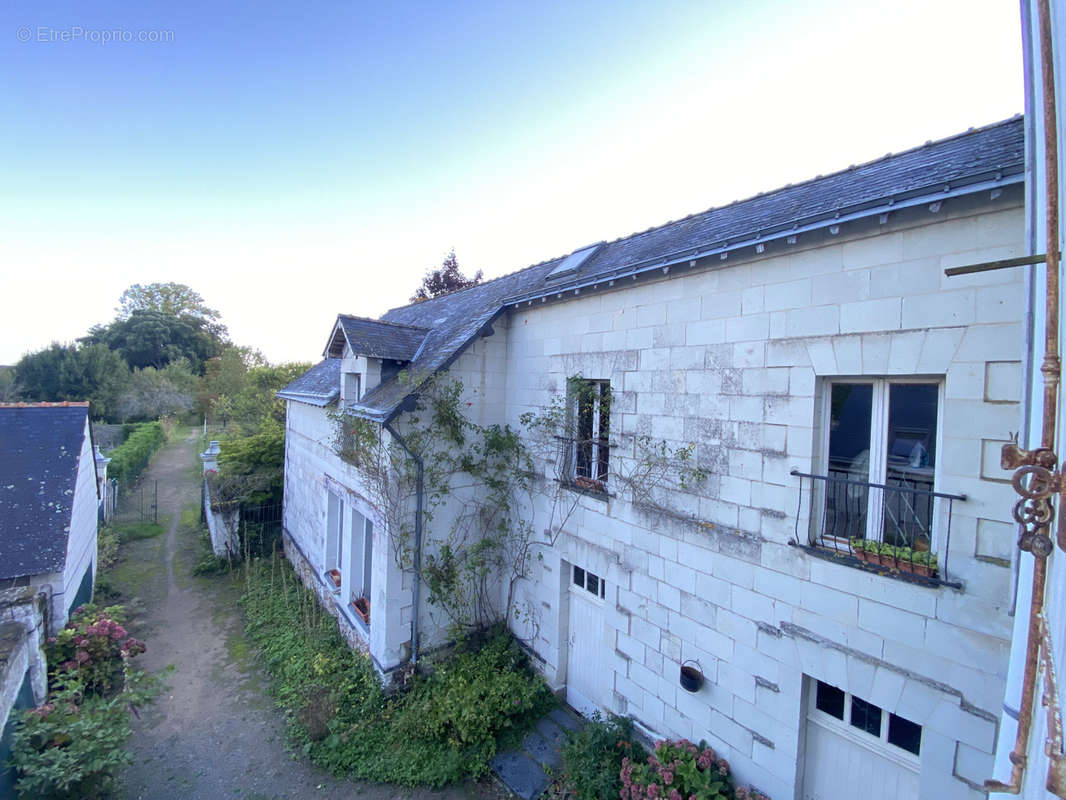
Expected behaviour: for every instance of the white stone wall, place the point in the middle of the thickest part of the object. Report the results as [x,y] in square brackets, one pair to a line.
[311,466]
[81,542]
[733,359]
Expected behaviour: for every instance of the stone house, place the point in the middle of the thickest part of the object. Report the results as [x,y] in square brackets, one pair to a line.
[49,495]
[836,390]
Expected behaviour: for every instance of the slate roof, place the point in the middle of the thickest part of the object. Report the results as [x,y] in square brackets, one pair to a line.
[378,339]
[319,386]
[988,157]
[40,448]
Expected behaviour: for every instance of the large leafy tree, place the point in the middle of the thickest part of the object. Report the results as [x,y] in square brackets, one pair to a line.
[154,393]
[173,299]
[149,338]
[91,371]
[445,279]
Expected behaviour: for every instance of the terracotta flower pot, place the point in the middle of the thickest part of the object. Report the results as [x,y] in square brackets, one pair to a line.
[362,608]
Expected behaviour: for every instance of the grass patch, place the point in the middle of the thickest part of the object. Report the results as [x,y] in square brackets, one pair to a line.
[444,729]
[134,531]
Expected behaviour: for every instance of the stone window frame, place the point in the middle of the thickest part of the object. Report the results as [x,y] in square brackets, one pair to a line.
[597,461]
[877,463]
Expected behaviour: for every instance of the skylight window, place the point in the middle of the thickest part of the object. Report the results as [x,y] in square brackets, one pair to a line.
[573,261]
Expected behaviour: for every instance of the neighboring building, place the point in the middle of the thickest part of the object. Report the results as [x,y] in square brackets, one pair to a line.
[834,383]
[1029,757]
[48,518]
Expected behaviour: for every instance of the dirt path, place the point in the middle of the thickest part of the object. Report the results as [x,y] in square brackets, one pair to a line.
[215,733]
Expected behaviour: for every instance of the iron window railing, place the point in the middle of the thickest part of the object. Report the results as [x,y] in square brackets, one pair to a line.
[881,525]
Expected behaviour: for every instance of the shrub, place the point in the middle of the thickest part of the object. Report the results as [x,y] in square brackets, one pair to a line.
[131,457]
[592,757]
[678,770]
[72,746]
[94,647]
[444,729]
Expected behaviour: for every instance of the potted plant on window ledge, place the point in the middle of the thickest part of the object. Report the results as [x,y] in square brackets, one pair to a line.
[588,484]
[334,576]
[858,548]
[362,608]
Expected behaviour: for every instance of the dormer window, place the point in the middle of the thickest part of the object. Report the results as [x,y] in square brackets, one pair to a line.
[351,387]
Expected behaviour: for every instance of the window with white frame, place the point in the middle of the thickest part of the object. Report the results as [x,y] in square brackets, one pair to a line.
[360,564]
[862,718]
[880,451]
[334,554]
[589,581]
[591,404]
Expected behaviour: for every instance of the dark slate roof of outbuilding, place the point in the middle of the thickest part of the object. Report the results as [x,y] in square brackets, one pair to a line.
[968,162]
[319,386]
[378,339]
[40,448]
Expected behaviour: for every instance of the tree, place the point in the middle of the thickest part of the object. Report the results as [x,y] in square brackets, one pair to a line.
[149,338]
[174,299]
[9,389]
[154,393]
[445,279]
[59,372]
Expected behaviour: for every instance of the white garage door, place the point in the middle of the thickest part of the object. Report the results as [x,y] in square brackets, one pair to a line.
[586,683]
[855,748]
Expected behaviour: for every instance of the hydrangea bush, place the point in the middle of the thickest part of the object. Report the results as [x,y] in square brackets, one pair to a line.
[681,770]
[93,645]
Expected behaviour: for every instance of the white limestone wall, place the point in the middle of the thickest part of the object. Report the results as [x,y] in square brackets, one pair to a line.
[81,542]
[311,466]
[732,359]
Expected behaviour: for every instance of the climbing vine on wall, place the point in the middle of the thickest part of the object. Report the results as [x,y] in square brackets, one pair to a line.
[488,477]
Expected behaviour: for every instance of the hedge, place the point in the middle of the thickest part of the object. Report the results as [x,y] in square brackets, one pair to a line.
[131,457]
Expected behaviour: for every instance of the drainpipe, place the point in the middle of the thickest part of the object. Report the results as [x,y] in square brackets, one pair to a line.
[417,589]
[1040,544]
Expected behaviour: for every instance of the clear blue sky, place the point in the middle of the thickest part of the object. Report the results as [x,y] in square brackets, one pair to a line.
[291,161]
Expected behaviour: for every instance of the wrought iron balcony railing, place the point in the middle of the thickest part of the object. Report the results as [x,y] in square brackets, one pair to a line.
[887,527]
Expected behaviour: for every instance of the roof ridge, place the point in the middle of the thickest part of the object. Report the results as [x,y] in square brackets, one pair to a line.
[824,176]
[510,274]
[758,195]
[384,321]
[48,404]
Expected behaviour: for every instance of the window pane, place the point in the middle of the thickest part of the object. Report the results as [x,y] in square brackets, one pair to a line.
[911,458]
[604,430]
[593,584]
[904,733]
[579,576]
[851,407]
[829,699]
[866,716]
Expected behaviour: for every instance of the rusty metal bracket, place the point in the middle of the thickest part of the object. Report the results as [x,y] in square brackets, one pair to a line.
[1056,773]
[1037,481]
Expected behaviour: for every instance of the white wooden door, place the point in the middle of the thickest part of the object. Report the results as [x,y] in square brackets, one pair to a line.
[585,678]
[841,764]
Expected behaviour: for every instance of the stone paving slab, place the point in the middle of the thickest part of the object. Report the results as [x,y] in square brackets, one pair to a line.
[521,774]
[542,752]
[523,771]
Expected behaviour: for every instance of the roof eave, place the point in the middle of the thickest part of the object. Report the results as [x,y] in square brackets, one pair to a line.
[793,228]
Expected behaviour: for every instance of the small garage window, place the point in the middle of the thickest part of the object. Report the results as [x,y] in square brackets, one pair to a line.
[869,718]
[590,582]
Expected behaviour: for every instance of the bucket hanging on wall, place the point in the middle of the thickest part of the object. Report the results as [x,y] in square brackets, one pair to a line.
[691,676]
